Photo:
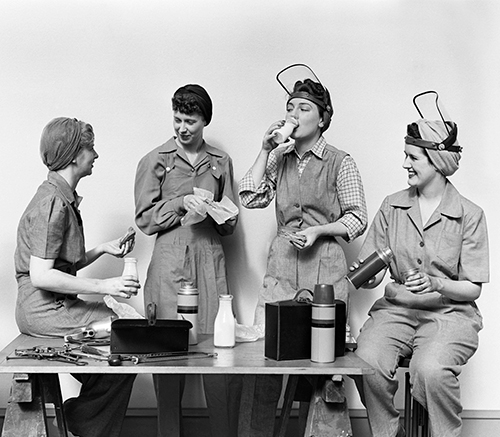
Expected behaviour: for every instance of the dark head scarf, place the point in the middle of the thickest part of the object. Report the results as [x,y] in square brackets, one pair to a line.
[435,130]
[202,99]
[315,92]
[60,142]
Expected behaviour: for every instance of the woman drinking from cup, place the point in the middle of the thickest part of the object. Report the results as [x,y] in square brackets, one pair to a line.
[319,198]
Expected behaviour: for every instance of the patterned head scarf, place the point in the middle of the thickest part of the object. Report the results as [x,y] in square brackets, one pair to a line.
[435,131]
[60,142]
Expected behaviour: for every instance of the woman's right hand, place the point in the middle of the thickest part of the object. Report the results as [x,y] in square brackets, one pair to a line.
[268,142]
[374,280]
[192,202]
[121,286]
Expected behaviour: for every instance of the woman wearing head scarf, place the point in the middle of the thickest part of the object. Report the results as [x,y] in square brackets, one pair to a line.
[186,250]
[50,250]
[429,315]
[319,198]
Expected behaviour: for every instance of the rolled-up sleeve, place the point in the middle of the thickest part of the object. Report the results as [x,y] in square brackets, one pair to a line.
[261,196]
[352,199]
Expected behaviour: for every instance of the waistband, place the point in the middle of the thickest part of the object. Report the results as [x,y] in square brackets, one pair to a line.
[199,231]
[285,231]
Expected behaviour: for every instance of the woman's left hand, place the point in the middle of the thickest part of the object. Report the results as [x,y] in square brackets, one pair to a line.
[305,238]
[422,283]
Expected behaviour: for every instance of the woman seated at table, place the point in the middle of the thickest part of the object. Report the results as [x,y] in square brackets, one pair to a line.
[50,250]
[430,315]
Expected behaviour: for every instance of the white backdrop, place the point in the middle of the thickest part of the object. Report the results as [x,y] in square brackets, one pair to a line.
[116,63]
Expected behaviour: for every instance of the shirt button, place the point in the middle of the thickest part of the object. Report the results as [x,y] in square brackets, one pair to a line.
[214,168]
[419,261]
[422,244]
[192,170]
[168,169]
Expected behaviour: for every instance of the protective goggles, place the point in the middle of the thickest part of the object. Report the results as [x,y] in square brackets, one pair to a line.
[448,143]
[290,75]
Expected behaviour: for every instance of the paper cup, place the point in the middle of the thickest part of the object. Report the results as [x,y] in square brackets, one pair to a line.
[284,132]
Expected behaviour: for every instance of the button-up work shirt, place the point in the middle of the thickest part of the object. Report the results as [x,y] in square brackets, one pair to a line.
[165,175]
[348,186]
[51,228]
[453,243]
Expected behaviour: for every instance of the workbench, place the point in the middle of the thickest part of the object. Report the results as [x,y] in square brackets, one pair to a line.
[36,382]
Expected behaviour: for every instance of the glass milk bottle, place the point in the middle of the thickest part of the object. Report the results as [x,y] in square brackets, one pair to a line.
[225,325]
[130,268]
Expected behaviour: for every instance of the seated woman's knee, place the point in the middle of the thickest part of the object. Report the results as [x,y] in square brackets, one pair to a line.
[428,372]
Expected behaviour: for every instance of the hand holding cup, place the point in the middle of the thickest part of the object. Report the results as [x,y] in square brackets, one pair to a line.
[283,133]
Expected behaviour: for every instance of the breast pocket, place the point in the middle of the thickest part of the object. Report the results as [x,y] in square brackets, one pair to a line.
[449,249]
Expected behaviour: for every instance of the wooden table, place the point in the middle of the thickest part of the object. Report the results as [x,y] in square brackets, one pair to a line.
[244,358]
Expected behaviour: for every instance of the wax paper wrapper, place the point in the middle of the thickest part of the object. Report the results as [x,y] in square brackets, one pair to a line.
[219,211]
[122,310]
[245,333]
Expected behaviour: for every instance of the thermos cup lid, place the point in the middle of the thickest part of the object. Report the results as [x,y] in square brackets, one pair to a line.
[323,294]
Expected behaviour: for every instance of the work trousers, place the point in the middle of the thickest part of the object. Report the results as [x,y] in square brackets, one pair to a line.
[222,394]
[439,345]
[101,406]
[259,403]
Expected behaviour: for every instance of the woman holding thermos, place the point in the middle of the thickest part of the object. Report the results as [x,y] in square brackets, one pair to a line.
[440,246]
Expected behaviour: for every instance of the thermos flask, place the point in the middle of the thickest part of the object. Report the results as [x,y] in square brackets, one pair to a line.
[187,308]
[323,324]
[377,261]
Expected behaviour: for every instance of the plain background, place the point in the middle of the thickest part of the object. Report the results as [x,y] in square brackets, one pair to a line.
[116,64]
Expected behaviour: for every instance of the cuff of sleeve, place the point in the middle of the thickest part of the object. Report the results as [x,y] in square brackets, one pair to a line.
[178,205]
[351,234]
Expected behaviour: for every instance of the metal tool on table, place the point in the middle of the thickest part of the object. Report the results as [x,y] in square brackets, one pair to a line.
[63,354]
[87,351]
[157,357]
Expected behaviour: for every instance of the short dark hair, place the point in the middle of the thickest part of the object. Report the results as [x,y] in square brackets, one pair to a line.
[186,103]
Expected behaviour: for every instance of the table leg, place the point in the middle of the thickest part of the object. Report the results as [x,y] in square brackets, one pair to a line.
[52,395]
[26,414]
[291,386]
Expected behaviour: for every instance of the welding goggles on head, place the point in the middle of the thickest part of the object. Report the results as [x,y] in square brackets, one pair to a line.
[289,76]
[448,144]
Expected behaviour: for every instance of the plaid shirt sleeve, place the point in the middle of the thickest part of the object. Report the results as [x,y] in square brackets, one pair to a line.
[260,197]
[352,199]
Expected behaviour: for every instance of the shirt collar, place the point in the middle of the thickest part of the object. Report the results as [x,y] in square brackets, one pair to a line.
[171,146]
[62,185]
[317,149]
[450,204]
